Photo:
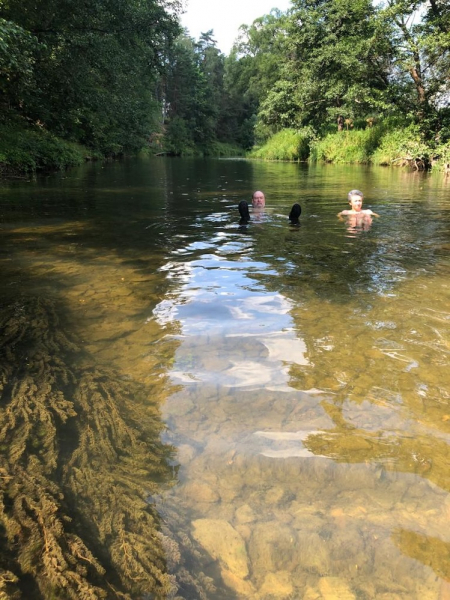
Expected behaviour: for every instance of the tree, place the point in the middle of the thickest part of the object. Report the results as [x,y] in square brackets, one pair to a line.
[94,67]
[197,107]
[17,47]
[336,66]
[421,36]
[252,69]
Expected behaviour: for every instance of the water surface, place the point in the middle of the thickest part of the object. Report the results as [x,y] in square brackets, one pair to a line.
[301,372]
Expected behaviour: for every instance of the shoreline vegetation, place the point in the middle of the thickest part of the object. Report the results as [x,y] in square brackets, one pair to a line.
[26,150]
[384,144]
[31,150]
[322,81]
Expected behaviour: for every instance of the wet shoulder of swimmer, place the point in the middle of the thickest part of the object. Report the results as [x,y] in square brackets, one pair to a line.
[355,200]
[259,202]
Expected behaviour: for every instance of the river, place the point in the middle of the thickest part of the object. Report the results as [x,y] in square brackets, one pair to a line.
[293,381]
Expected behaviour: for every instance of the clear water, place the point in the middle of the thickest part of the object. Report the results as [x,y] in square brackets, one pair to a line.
[302,372]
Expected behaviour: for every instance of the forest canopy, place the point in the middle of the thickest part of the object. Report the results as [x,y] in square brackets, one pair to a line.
[117,77]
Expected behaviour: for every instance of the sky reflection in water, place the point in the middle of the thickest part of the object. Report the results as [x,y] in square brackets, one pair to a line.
[304,375]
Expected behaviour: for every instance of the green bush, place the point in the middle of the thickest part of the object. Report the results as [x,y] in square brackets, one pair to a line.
[402,146]
[440,159]
[352,146]
[287,144]
[28,149]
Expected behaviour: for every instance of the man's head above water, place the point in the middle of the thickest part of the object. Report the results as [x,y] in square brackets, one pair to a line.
[258,199]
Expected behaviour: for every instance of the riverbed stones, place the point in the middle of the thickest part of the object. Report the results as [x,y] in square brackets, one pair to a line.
[274,496]
[243,587]
[272,547]
[314,553]
[277,586]
[244,514]
[185,454]
[335,588]
[223,543]
[201,492]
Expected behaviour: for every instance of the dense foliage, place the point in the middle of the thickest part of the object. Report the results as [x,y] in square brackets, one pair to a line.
[85,71]
[121,76]
[338,66]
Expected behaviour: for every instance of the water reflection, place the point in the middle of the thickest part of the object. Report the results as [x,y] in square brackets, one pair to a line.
[300,420]
[223,311]
[357,224]
[302,372]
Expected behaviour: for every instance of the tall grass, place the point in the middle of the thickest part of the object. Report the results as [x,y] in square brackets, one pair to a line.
[403,147]
[353,146]
[287,144]
[222,149]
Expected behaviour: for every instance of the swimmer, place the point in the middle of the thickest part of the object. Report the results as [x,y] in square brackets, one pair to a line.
[259,202]
[355,199]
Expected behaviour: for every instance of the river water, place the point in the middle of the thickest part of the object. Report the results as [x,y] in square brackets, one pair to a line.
[300,372]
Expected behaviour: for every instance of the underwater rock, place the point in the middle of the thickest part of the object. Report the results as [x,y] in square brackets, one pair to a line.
[242,587]
[273,547]
[185,454]
[277,585]
[223,543]
[311,594]
[244,514]
[201,492]
[335,588]
[314,553]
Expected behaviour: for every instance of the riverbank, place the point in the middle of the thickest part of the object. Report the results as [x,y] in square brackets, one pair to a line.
[384,144]
[29,149]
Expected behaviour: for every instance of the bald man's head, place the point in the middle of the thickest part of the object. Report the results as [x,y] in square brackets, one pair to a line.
[258,200]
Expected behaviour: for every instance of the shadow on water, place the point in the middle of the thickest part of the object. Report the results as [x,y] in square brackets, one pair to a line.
[81,453]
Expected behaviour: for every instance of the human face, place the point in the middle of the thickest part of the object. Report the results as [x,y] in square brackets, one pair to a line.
[258,200]
[355,202]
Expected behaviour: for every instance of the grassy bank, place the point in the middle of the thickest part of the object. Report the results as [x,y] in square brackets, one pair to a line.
[28,149]
[287,144]
[387,143]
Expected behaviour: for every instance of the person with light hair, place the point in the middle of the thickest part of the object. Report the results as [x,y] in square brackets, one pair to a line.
[355,199]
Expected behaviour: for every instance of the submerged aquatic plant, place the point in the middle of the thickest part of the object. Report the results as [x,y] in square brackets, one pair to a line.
[80,455]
